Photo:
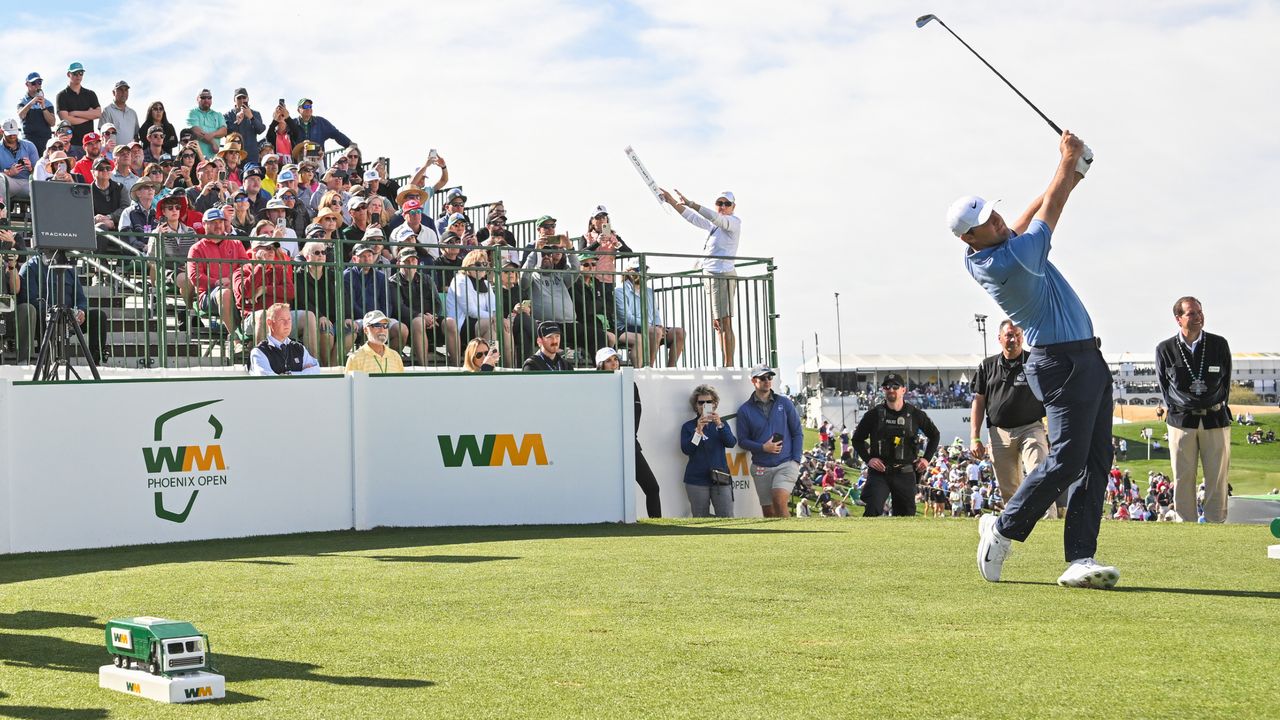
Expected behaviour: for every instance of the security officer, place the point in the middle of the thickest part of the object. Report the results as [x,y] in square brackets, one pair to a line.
[1014,416]
[1194,372]
[893,459]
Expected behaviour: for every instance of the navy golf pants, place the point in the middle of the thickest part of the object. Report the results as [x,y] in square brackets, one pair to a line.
[1074,383]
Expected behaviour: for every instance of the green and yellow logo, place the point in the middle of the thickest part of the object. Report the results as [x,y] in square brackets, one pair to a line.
[122,638]
[183,460]
[198,692]
[492,450]
[133,687]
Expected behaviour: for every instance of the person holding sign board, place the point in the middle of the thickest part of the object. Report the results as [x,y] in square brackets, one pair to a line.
[724,232]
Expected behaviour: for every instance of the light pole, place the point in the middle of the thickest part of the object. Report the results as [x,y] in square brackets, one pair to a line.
[981,320]
[840,363]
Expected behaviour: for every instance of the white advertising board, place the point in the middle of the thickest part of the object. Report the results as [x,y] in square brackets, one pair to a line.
[665,395]
[493,449]
[120,463]
[8,448]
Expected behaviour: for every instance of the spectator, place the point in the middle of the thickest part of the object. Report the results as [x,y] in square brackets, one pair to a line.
[317,129]
[358,208]
[283,133]
[455,203]
[258,198]
[207,192]
[296,217]
[154,149]
[242,220]
[42,170]
[188,158]
[495,234]
[548,284]
[332,194]
[769,427]
[415,230]
[376,186]
[158,118]
[480,356]
[705,439]
[374,356]
[78,105]
[632,322]
[277,213]
[279,354]
[607,360]
[36,113]
[43,289]
[248,122]
[721,245]
[176,240]
[472,305]
[594,305]
[211,263]
[548,357]
[445,267]
[231,156]
[123,172]
[418,304]
[206,123]
[602,240]
[518,310]
[108,196]
[119,114]
[60,165]
[367,291]
[92,144]
[140,215]
[315,284]
[18,159]
[270,170]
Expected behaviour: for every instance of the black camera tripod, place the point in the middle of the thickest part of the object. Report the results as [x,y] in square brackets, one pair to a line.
[60,329]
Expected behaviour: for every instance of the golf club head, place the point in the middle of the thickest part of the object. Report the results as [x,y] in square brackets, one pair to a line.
[924,20]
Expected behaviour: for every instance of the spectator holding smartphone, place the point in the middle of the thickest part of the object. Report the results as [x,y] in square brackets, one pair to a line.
[18,158]
[480,356]
[705,439]
[36,113]
[769,426]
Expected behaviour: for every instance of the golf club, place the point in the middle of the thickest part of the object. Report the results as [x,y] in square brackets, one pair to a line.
[924,20]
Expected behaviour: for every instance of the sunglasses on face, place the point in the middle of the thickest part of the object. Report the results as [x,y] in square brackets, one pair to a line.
[36,83]
[305,107]
[78,73]
[205,97]
[412,212]
[892,387]
[380,325]
[723,203]
[288,197]
[457,204]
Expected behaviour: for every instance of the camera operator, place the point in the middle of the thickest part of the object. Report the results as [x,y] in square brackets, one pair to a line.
[19,323]
[893,460]
[704,439]
[45,289]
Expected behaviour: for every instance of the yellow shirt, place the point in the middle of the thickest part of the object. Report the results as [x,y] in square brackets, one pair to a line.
[365,360]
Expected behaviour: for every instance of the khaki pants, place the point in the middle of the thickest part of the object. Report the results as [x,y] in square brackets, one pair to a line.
[1213,448]
[1016,452]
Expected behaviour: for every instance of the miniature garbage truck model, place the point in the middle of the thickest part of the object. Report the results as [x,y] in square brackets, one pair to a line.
[159,646]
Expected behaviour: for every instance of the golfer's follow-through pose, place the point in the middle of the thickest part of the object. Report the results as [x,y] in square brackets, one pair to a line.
[1066,372]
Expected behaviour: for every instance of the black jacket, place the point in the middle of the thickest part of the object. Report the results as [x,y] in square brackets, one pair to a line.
[1213,354]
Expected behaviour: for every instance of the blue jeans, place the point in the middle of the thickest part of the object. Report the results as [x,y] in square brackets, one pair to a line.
[1074,383]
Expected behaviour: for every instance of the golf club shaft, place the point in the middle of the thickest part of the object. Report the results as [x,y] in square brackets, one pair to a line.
[1052,124]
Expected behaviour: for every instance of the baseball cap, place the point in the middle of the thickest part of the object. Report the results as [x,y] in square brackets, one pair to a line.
[270,157]
[761,369]
[455,194]
[10,127]
[34,77]
[455,218]
[356,202]
[495,216]
[605,353]
[122,84]
[411,205]
[361,247]
[286,176]
[203,92]
[100,162]
[264,242]
[600,210]
[276,203]
[892,379]
[373,232]
[212,213]
[727,196]
[374,316]
[544,219]
[240,92]
[155,130]
[253,171]
[548,328]
[107,126]
[968,213]
[304,101]
[371,175]
[407,252]
[314,230]
[75,67]
[91,137]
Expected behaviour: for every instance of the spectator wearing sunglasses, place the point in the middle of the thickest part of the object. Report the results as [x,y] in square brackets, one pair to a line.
[123,172]
[480,356]
[418,306]
[248,122]
[317,129]
[206,123]
[724,233]
[36,113]
[158,117]
[415,230]
[119,115]
[549,286]
[315,285]
[18,159]
[78,105]
[374,357]
[454,204]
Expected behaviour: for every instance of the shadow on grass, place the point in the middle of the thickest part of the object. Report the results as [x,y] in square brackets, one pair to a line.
[448,559]
[46,620]
[35,566]
[1258,594]
[45,652]
[39,712]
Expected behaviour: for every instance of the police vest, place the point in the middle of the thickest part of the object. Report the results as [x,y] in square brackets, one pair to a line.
[895,437]
[286,358]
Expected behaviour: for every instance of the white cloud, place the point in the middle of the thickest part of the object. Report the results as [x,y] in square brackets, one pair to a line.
[844,130]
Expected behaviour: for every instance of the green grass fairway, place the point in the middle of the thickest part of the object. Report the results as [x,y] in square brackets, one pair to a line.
[820,618]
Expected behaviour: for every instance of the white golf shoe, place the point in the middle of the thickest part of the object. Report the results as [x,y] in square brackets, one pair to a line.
[1086,573]
[993,548]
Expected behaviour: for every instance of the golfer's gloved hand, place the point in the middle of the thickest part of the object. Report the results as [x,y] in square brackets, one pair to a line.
[1085,161]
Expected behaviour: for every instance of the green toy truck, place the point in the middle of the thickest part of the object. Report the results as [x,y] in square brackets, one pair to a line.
[159,646]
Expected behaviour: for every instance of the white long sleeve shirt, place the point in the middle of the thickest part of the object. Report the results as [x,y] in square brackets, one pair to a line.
[725,231]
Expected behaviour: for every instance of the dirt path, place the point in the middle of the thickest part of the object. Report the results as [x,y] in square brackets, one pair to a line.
[1134,413]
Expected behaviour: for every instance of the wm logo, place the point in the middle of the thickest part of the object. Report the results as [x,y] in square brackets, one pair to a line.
[493,451]
[739,463]
[198,692]
[133,687]
[184,458]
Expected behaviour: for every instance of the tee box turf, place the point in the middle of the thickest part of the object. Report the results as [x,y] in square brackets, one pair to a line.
[194,686]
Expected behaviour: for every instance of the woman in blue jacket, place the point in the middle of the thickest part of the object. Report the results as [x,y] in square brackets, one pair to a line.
[704,439]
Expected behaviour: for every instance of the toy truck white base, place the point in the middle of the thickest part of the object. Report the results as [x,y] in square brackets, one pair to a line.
[195,686]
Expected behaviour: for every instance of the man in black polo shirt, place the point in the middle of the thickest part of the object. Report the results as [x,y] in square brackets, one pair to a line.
[548,358]
[78,105]
[1194,372]
[279,354]
[1013,414]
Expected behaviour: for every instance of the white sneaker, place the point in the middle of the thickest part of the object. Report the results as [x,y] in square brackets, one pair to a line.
[1085,573]
[993,548]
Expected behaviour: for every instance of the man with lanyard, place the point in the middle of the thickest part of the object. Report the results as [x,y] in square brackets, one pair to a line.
[769,428]
[548,358]
[1065,370]
[894,463]
[1002,395]
[374,356]
[1194,372]
[279,354]
[724,233]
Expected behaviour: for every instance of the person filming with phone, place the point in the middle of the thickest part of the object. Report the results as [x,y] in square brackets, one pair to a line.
[705,439]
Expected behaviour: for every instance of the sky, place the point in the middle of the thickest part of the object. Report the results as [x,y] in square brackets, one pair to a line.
[844,131]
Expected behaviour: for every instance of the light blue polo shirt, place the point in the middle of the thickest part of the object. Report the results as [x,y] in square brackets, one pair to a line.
[1019,277]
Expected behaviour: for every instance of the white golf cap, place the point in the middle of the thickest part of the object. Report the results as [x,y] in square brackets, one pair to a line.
[761,370]
[727,196]
[371,174]
[968,213]
[10,127]
[605,353]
